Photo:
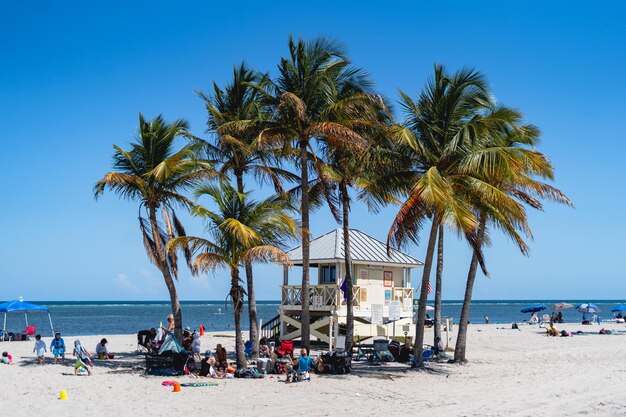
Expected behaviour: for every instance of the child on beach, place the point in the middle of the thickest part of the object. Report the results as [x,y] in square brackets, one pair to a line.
[6,358]
[57,346]
[196,345]
[83,358]
[101,349]
[40,350]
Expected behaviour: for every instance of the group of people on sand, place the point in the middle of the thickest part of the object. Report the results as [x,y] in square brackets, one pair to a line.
[557,317]
[83,361]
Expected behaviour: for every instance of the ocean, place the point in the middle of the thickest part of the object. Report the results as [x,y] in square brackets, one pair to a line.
[75,318]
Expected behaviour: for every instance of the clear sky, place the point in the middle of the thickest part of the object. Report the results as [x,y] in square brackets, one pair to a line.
[73,78]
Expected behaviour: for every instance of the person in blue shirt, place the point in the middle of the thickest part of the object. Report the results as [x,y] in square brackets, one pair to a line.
[300,365]
[57,346]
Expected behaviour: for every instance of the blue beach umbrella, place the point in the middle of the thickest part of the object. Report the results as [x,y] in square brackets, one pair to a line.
[588,308]
[618,308]
[534,309]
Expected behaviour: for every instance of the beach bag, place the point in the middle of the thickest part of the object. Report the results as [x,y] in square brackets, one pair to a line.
[247,373]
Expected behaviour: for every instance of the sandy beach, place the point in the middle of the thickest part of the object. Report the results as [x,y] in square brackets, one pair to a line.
[521,373]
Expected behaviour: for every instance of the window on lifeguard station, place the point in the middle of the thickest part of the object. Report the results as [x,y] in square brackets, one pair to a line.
[329,274]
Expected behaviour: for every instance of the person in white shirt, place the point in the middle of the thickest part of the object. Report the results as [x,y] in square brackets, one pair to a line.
[40,350]
[101,349]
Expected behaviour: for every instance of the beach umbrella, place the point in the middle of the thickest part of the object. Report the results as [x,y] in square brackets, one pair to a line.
[430,308]
[588,308]
[534,309]
[561,306]
[618,308]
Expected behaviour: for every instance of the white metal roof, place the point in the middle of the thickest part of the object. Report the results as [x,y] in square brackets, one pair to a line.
[363,249]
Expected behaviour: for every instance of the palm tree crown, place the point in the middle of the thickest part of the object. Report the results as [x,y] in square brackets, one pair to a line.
[154,173]
[241,230]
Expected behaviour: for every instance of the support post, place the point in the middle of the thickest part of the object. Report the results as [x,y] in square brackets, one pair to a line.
[447,332]
[330,330]
[285,275]
[51,326]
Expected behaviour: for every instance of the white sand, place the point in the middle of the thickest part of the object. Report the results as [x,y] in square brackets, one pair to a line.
[522,373]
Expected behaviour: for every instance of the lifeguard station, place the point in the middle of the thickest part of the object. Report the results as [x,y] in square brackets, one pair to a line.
[382,292]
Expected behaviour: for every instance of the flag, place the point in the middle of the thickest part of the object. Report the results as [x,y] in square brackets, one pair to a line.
[430,288]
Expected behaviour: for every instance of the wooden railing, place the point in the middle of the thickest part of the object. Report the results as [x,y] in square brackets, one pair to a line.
[271,329]
[321,297]
[402,294]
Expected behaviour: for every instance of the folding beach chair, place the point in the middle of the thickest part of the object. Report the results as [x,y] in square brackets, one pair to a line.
[31,330]
[286,347]
[248,349]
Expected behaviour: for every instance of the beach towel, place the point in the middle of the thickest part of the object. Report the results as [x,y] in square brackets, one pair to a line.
[199,384]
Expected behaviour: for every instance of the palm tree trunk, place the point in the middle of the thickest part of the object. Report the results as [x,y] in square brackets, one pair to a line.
[167,275]
[439,275]
[236,294]
[305,317]
[461,339]
[418,361]
[252,313]
[345,202]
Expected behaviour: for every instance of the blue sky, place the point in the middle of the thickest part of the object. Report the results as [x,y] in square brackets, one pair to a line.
[74,77]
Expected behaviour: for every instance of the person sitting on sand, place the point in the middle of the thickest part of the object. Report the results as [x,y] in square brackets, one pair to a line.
[101,349]
[6,358]
[83,358]
[264,349]
[221,358]
[207,366]
[301,364]
[40,350]
[605,331]
[552,331]
[187,339]
[57,346]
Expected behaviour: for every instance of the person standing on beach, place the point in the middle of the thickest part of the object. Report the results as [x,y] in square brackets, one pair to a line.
[57,346]
[486,319]
[83,358]
[170,326]
[40,350]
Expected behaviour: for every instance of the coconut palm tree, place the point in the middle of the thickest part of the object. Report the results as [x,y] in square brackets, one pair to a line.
[299,99]
[507,162]
[154,172]
[442,127]
[235,119]
[242,230]
[367,170]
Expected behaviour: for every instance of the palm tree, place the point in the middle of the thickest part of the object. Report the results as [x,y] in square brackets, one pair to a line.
[438,286]
[242,230]
[235,118]
[441,128]
[506,163]
[299,99]
[358,168]
[153,172]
